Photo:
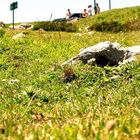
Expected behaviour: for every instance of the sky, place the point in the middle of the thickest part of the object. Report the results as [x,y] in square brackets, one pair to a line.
[41,10]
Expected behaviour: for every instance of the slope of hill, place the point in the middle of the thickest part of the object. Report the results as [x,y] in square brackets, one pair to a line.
[40,100]
[115,20]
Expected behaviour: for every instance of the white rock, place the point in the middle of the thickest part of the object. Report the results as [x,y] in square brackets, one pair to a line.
[106,53]
[17,36]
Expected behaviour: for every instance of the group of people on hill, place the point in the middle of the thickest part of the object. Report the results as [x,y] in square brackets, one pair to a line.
[86,12]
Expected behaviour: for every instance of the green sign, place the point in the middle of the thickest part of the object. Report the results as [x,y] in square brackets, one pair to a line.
[14,5]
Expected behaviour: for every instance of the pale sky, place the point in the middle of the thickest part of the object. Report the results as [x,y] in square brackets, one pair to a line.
[40,10]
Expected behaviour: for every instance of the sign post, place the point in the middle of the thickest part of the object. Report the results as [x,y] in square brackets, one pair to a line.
[109,4]
[94,6]
[13,6]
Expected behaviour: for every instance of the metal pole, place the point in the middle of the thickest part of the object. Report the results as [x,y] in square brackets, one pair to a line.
[94,5]
[13,19]
[109,4]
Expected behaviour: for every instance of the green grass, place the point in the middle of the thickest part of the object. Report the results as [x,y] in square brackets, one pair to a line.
[36,102]
[115,20]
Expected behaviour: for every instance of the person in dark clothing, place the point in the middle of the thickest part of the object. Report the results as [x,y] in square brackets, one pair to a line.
[97,8]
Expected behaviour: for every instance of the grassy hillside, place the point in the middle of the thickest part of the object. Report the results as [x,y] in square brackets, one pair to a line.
[115,20]
[37,103]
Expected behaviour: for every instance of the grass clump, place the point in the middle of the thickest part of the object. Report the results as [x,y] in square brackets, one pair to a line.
[69,74]
[2,32]
[55,26]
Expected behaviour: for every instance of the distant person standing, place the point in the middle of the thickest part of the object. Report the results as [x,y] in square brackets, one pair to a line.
[97,8]
[90,9]
[68,14]
[85,13]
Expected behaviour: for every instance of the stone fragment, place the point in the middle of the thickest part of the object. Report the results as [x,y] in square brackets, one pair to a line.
[105,54]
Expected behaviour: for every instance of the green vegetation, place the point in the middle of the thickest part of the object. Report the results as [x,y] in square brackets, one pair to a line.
[2,32]
[40,100]
[55,26]
[116,20]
